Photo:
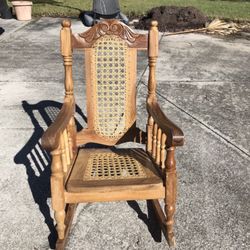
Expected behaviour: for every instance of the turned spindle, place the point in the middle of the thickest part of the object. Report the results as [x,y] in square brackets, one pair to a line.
[163,150]
[63,154]
[150,134]
[155,128]
[158,147]
[66,143]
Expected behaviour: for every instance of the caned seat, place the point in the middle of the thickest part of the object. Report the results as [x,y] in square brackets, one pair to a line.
[100,170]
[81,172]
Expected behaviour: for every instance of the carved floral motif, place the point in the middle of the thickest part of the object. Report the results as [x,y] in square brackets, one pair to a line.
[111,27]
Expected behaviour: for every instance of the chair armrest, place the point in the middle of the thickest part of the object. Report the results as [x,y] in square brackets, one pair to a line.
[175,136]
[51,137]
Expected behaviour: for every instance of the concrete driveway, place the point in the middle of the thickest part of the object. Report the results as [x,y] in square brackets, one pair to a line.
[203,85]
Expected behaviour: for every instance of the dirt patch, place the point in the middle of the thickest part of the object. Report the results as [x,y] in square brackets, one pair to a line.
[172,18]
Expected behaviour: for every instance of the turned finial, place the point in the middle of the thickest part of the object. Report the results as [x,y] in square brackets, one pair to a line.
[66,49]
[153,24]
[66,23]
[153,39]
[152,56]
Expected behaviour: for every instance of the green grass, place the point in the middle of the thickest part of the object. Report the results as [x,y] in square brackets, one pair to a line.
[231,9]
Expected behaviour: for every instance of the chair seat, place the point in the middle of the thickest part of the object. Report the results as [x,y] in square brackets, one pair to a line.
[114,170]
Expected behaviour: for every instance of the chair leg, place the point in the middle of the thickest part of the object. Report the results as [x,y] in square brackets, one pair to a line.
[170,197]
[165,223]
[57,192]
[70,211]
[60,217]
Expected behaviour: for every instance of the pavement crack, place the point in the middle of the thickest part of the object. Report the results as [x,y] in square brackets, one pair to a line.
[211,129]
[5,37]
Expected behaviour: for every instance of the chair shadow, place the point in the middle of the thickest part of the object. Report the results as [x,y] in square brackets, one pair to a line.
[150,220]
[37,161]
[1,30]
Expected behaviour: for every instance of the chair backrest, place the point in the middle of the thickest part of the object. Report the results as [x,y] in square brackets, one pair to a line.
[110,69]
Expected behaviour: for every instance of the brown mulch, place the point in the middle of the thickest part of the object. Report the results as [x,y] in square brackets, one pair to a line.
[172,18]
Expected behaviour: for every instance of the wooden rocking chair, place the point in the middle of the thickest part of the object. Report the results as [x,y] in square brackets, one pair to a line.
[83,174]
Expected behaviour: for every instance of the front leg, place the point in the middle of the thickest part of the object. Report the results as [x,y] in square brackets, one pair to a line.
[170,197]
[57,192]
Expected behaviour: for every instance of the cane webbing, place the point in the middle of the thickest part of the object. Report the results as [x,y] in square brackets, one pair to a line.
[110,78]
[112,166]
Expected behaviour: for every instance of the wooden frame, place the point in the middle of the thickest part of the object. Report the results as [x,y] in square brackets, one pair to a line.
[86,41]
[62,140]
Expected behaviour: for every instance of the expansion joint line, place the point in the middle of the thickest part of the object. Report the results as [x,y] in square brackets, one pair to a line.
[211,129]
[5,37]
[221,136]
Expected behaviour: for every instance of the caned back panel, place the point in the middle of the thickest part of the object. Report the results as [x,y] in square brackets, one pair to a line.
[111,67]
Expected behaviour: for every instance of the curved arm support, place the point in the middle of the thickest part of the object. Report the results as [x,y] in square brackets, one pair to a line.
[51,137]
[175,136]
